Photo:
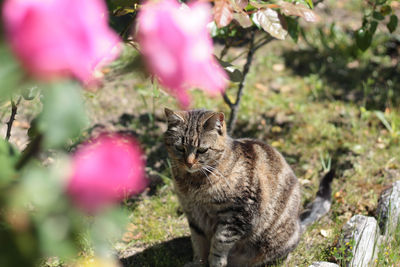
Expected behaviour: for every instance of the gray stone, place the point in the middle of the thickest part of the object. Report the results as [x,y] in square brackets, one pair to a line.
[388,210]
[323,264]
[360,237]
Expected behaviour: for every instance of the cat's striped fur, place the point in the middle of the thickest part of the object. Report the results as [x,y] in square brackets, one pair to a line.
[240,196]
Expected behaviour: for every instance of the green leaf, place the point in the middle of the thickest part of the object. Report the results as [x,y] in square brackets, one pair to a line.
[43,188]
[377,15]
[386,10]
[373,26]
[381,117]
[8,158]
[392,24]
[10,74]
[30,93]
[106,227]
[380,2]
[293,28]
[310,3]
[114,4]
[63,114]
[269,21]
[363,39]
[235,75]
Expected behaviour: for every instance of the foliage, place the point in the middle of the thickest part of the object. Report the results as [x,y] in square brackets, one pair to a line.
[375,13]
[39,219]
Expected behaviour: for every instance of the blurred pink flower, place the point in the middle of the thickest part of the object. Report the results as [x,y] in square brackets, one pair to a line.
[178,48]
[56,38]
[106,171]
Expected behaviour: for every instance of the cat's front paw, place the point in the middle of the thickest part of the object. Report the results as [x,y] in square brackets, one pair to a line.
[218,262]
[194,264]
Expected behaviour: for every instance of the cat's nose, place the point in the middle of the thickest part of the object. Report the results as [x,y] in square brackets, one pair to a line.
[189,164]
[190,160]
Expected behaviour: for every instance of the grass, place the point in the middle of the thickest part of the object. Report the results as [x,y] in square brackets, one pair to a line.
[316,102]
[388,254]
[309,130]
[326,104]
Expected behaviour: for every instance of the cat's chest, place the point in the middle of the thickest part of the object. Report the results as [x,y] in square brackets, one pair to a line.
[203,213]
[210,188]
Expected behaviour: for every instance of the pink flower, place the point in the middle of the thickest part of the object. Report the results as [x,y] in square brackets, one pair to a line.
[56,38]
[106,171]
[178,48]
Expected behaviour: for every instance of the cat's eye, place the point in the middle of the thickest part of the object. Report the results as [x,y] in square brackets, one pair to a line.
[180,148]
[202,150]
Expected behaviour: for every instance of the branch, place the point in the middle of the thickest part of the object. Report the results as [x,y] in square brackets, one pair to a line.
[32,149]
[224,50]
[12,117]
[317,2]
[262,43]
[253,47]
[235,106]
[227,100]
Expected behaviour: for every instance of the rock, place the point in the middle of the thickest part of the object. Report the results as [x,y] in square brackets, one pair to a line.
[360,237]
[388,210]
[323,264]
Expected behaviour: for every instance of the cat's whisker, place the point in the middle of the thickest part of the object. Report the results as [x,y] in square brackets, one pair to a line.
[208,178]
[215,169]
[211,170]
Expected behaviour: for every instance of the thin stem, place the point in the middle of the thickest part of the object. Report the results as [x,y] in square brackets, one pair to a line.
[30,151]
[263,42]
[227,100]
[12,117]
[317,2]
[224,50]
[235,106]
[238,56]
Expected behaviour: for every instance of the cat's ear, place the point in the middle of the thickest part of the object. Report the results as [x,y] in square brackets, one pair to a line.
[214,121]
[174,117]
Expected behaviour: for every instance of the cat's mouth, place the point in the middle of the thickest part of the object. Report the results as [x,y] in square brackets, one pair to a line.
[191,170]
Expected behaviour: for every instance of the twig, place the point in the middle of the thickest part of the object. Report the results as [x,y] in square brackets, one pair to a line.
[317,2]
[262,43]
[32,149]
[235,106]
[225,50]
[227,100]
[12,117]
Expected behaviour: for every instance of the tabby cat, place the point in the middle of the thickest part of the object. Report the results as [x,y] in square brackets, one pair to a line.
[240,196]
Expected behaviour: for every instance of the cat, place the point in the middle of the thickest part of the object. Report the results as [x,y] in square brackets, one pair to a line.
[240,197]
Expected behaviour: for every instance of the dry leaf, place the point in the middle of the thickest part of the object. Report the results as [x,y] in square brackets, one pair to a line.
[242,4]
[243,19]
[325,233]
[269,20]
[222,13]
[299,10]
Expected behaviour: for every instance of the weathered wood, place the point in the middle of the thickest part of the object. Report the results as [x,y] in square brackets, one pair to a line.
[388,210]
[360,237]
[323,264]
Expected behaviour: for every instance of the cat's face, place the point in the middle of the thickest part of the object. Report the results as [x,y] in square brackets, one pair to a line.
[195,139]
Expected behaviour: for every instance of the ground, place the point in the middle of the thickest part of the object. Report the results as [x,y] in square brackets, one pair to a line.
[313,101]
